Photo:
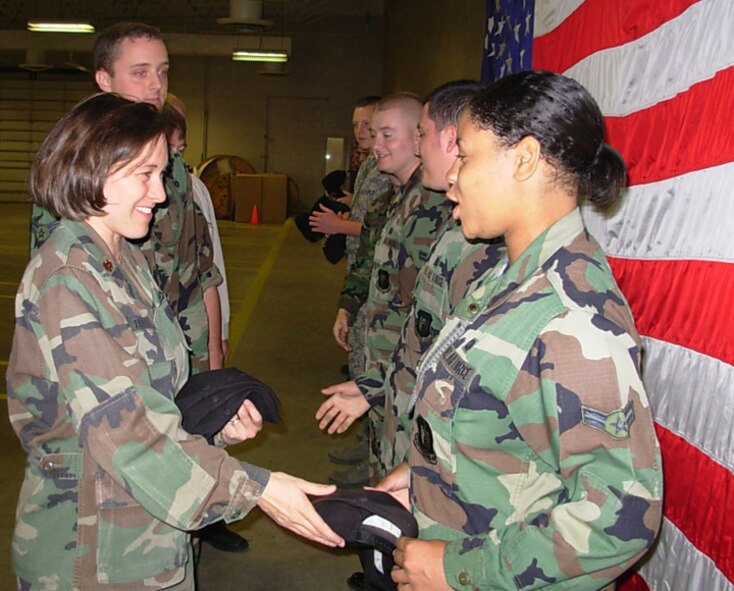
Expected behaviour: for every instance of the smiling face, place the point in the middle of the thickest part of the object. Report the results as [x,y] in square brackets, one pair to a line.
[131,193]
[140,71]
[361,118]
[481,183]
[395,137]
[437,151]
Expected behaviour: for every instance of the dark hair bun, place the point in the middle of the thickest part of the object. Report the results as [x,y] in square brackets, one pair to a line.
[606,178]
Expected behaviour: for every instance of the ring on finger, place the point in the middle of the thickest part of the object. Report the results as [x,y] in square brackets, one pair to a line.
[234,421]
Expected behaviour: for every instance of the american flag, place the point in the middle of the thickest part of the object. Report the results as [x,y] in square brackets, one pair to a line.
[663,73]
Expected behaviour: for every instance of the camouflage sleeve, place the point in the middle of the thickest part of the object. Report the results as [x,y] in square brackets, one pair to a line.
[43,223]
[581,372]
[127,426]
[356,285]
[371,384]
[209,275]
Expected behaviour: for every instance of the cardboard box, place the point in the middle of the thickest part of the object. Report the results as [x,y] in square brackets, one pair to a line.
[275,198]
[268,191]
[246,192]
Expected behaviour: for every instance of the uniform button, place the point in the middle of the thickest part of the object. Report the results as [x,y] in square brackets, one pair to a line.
[473,308]
[48,466]
[464,578]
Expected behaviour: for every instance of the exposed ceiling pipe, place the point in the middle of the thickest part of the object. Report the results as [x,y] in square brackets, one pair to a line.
[35,60]
[246,9]
[245,15]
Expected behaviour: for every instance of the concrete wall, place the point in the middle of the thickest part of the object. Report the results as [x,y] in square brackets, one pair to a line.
[278,122]
[428,42]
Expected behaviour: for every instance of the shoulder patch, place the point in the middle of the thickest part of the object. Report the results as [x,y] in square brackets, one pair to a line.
[616,424]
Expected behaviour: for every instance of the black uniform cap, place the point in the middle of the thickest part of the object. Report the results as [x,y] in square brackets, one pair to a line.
[333,183]
[371,521]
[302,218]
[334,248]
[211,398]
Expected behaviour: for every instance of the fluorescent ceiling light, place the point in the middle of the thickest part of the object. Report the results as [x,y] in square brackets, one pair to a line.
[39,26]
[259,55]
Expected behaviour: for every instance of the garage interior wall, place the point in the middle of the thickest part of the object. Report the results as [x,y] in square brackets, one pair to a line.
[281,120]
[278,123]
[429,42]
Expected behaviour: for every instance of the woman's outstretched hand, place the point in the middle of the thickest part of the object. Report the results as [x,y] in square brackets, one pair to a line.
[284,500]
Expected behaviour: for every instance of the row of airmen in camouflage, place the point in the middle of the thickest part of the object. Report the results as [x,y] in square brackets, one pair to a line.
[510,387]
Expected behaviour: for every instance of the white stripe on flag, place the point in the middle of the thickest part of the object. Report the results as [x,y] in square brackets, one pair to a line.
[677,564]
[663,63]
[679,382]
[685,217]
[551,13]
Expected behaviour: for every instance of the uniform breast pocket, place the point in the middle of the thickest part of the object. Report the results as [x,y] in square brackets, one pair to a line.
[386,267]
[132,544]
[163,347]
[433,432]
[150,345]
[483,422]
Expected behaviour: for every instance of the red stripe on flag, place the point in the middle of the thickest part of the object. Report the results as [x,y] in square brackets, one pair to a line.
[600,24]
[667,299]
[633,583]
[686,133]
[698,499]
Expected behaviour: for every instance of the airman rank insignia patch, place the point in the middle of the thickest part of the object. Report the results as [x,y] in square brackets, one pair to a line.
[616,424]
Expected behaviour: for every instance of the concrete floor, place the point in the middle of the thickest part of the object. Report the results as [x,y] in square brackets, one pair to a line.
[283,302]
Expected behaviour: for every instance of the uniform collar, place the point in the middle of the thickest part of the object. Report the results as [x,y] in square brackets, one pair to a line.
[83,234]
[508,278]
[414,180]
[400,193]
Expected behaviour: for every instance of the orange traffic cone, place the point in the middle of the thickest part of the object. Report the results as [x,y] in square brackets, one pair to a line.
[255,217]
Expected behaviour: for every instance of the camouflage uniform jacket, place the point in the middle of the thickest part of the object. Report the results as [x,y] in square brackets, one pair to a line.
[178,250]
[534,452]
[454,266]
[112,481]
[356,285]
[370,183]
[414,220]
